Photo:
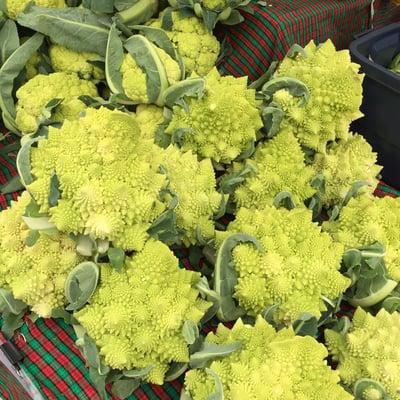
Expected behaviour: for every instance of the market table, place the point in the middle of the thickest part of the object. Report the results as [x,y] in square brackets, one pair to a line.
[51,357]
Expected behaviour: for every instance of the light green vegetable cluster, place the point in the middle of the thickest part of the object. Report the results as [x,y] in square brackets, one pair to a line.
[15,7]
[198,47]
[366,220]
[296,267]
[67,60]
[369,350]
[194,184]
[219,128]
[336,95]
[136,316]
[109,184]
[268,365]
[34,95]
[274,164]
[34,273]
[345,163]
[149,117]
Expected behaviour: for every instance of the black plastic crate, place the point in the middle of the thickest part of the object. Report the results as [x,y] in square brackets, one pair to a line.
[374,50]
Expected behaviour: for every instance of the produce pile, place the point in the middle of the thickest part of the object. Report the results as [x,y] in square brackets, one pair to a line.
[131,145]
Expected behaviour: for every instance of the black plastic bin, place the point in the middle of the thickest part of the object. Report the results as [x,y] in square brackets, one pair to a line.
[374,50]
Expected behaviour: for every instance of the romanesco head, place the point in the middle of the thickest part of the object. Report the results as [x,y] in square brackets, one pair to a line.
[269,365]
[194,184]
[223,123]
[136,315]
[366,220]
[149,117]
[108,181]
[34,95]
[198,47]
[345,163]
[369,350]
[34,274]
[134,78]
[67,60]
[298,264]
[15,7]
[279,167]
[336,95]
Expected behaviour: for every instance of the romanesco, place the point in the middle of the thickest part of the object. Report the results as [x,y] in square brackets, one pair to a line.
[297,266]
[198,47]
[269,366]
[34,95]
[149,117]
[336,95]
[219,128]
[34,274]
[279,167]
[194,183]
[366,220]
[109,183]
[136,315]
[345,163]
[369,350]
[67,60]
[15,7]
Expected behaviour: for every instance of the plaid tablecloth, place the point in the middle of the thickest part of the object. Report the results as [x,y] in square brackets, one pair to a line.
[51,357]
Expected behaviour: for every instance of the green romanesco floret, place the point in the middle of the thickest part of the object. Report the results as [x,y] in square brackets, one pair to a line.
[34,274]
[369,350]
[366,220]
[149,117]
[296,267]
[136,316]
[198,47]
[34,95]
[269,365]
[278,167]
[336,95]
[219,128]
[15,7]
[345,163]
[109,182]
[67,60]
[134,78]
[194,184]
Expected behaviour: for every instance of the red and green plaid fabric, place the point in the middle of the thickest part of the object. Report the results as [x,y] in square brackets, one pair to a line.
[51,358]
[278,24]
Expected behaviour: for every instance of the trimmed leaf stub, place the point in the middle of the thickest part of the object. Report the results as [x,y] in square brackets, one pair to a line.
[175,371]
[368,389]
[294,86]
[225,276]
[190,332]
[81,284]
[284,199]
[9,304]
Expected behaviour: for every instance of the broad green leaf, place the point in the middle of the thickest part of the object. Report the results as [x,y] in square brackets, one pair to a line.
[137,373]
[11,322]
[99,381]
[9,304]
[225,275]
[99,6]
[86,275]
[210,18]
[9,71]
[9,40]
[138,13]
[54,192]
[113,61]
[97,102]
[145,55]
[48,111]
[229,183]
[32,238]
[376,296]
[76,28]
[269,312]
[175,371]
[353,192]
[218,393]
[272,116]
[235,17]
[306,325]
[295,87]
[13,185]
[123,4]
[362,385]
[24,161]
[175,94]
[210,295]
[190,332]
[65,315]
[90,351]
[116,257]
[284,199]
[210,352]
[125,387]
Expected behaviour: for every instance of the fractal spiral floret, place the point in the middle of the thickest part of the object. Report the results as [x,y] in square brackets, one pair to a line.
[136,315]
[268,365]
